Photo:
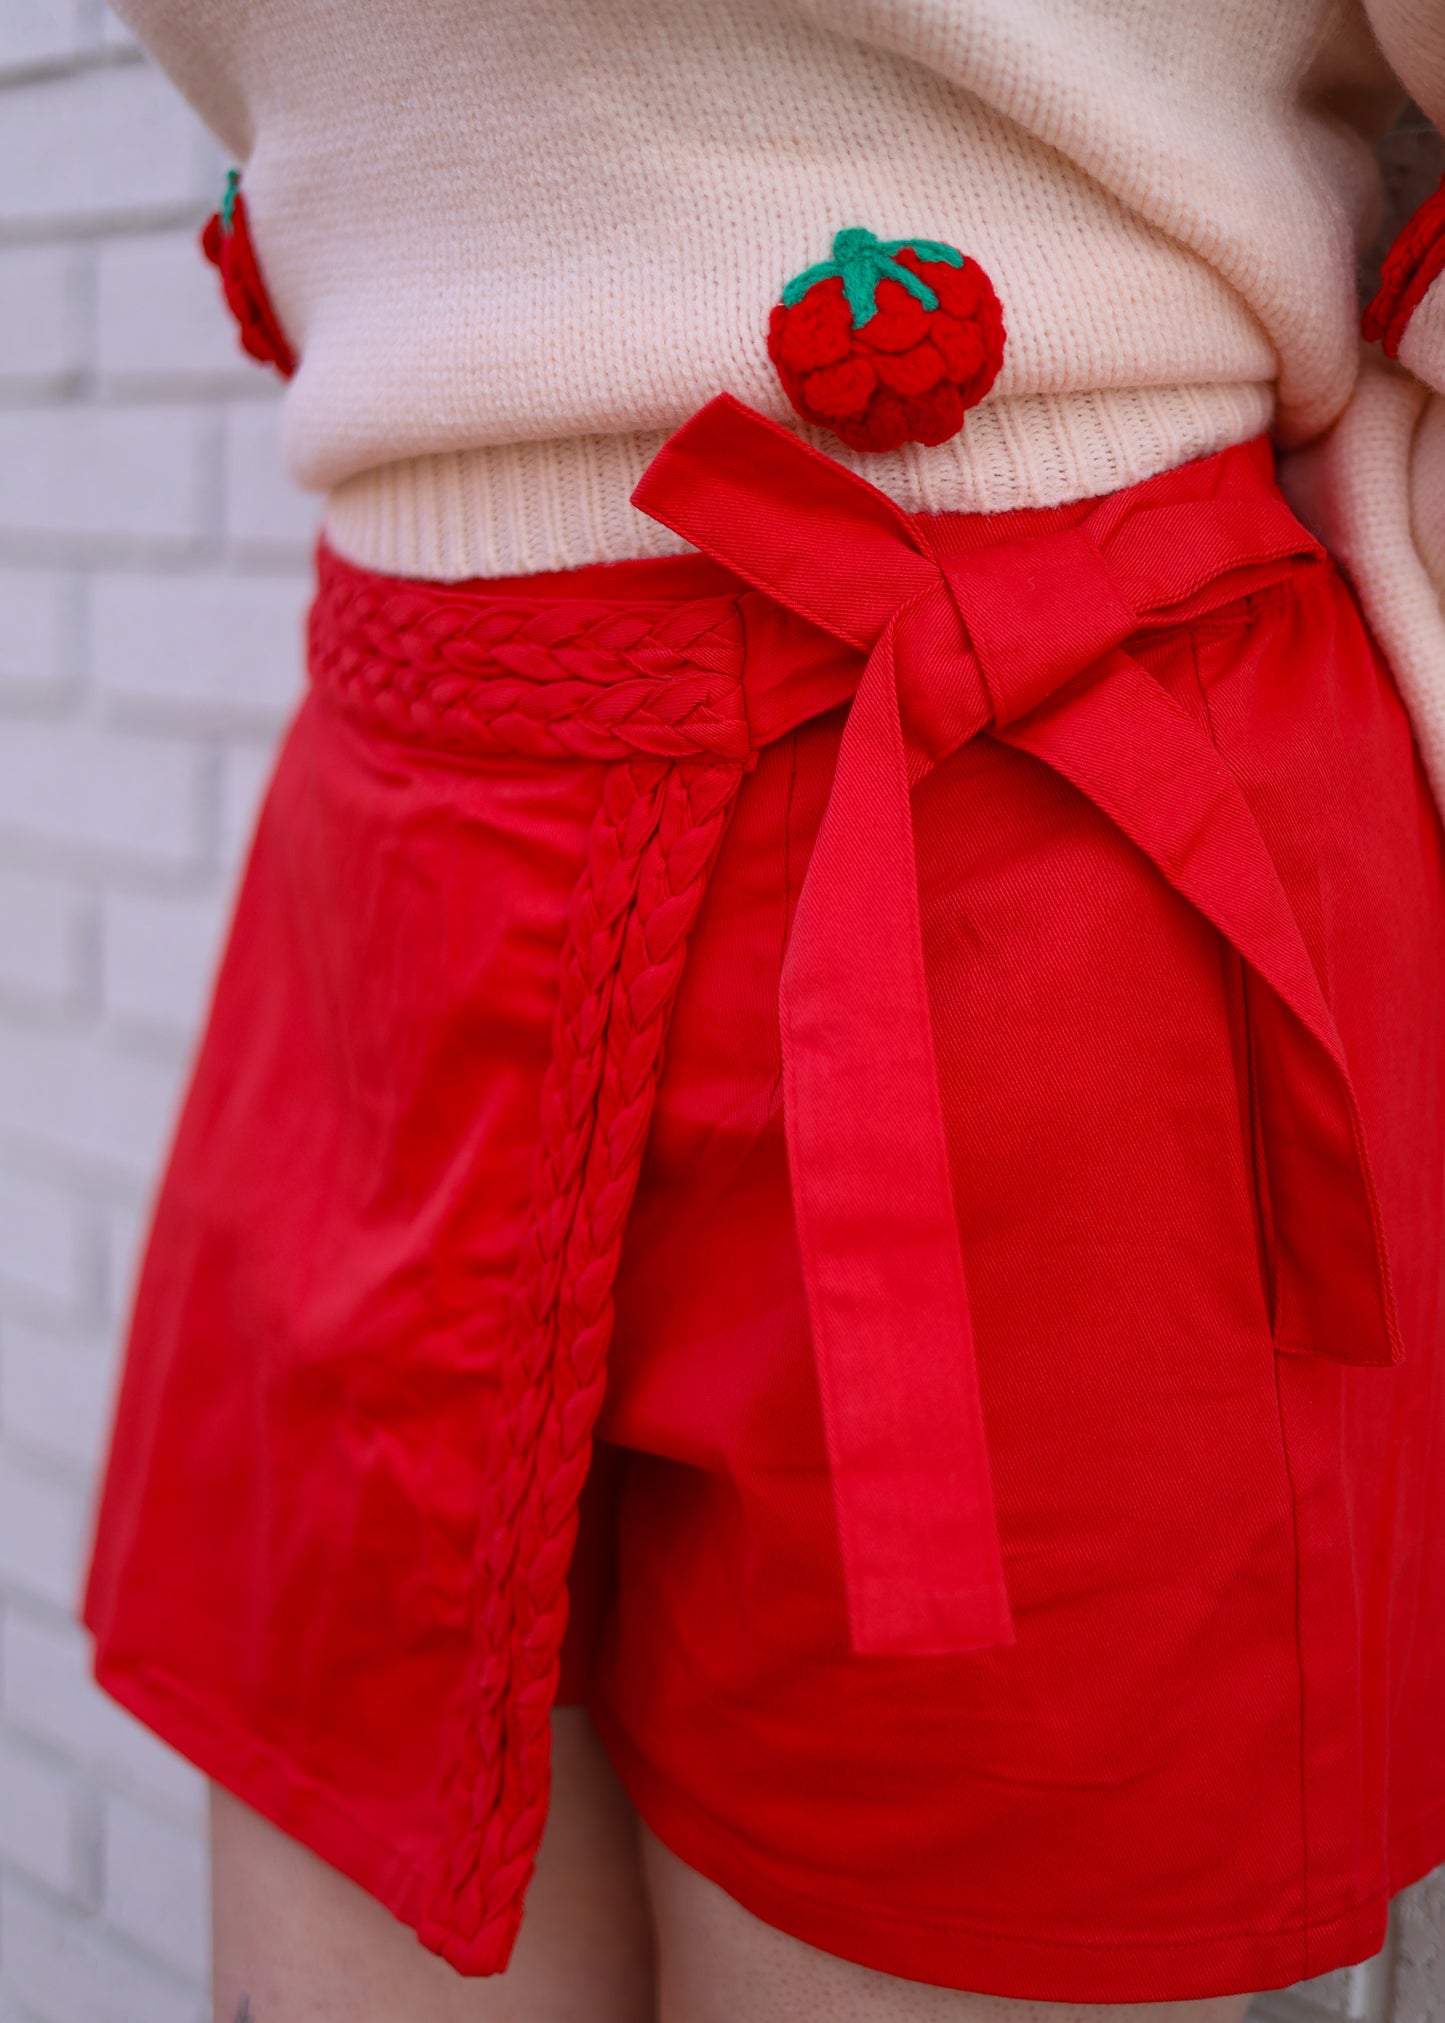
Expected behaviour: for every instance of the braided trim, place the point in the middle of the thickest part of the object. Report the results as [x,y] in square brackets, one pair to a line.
[650,853]
[603,898]
[675,871]
[571,678]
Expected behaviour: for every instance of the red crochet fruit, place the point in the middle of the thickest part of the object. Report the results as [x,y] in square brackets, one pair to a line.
[1412,265]
[226,243]
[889,341]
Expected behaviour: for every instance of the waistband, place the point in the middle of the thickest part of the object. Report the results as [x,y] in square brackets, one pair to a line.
[518,508]
[424,659]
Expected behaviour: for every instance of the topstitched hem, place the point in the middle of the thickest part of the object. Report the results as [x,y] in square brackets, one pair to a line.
[1113,1968]
[1023,1966]
[271,1784]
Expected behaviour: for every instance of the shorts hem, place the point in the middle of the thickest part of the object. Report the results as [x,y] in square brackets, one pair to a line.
[271,1784]
[1122,1967]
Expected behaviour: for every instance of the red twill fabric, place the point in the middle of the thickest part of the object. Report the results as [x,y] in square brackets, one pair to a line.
[894,1073]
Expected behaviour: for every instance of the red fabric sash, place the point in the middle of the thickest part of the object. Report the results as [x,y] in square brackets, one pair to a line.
[1024,639]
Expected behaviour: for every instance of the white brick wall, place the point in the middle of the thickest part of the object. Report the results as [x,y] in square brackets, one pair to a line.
[40,315]
[1420,1953]
[152,575]
[153,572]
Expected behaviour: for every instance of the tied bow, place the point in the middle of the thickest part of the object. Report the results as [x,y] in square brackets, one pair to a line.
[958,632]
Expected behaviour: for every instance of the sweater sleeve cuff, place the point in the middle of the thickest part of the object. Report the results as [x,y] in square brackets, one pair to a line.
[1407,316]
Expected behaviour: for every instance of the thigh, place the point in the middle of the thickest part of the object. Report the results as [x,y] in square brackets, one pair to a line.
[295,1942]
[717,1963]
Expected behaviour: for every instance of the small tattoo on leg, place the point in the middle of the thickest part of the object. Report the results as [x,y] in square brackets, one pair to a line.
[243,2011]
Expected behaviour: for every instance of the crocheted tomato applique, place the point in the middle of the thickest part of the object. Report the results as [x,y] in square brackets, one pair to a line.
[890,341]
[1412,265]
[226,243]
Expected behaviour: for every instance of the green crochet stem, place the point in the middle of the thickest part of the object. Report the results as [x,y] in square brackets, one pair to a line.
[862,261]
[228,201]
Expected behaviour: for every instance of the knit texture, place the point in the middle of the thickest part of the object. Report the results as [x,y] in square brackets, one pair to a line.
[525,507]
[887,343]
[501,307]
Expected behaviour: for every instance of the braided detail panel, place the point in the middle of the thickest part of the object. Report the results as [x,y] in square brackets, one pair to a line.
[655,691]
[651,851]
[549,677]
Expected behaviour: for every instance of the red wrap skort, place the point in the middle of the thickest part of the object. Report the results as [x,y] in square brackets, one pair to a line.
[926,1037]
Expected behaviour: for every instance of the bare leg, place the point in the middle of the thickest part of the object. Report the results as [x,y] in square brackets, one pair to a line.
[717,1963]
[294,1942]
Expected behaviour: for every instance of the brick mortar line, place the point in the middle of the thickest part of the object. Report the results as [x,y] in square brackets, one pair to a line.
[56,1469]
[94,1921]
[251,565]
[97,554]
[129,1037]
[98,873]
[58,228]
[75,1322]
[111,1186]
[78,389]
[75,63]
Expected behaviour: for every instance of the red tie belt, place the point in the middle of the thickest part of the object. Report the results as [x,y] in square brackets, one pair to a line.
[949,633]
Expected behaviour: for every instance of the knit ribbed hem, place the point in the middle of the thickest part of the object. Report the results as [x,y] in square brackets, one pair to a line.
[519,508]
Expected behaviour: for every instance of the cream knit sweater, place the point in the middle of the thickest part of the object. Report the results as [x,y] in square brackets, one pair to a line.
[516,242]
